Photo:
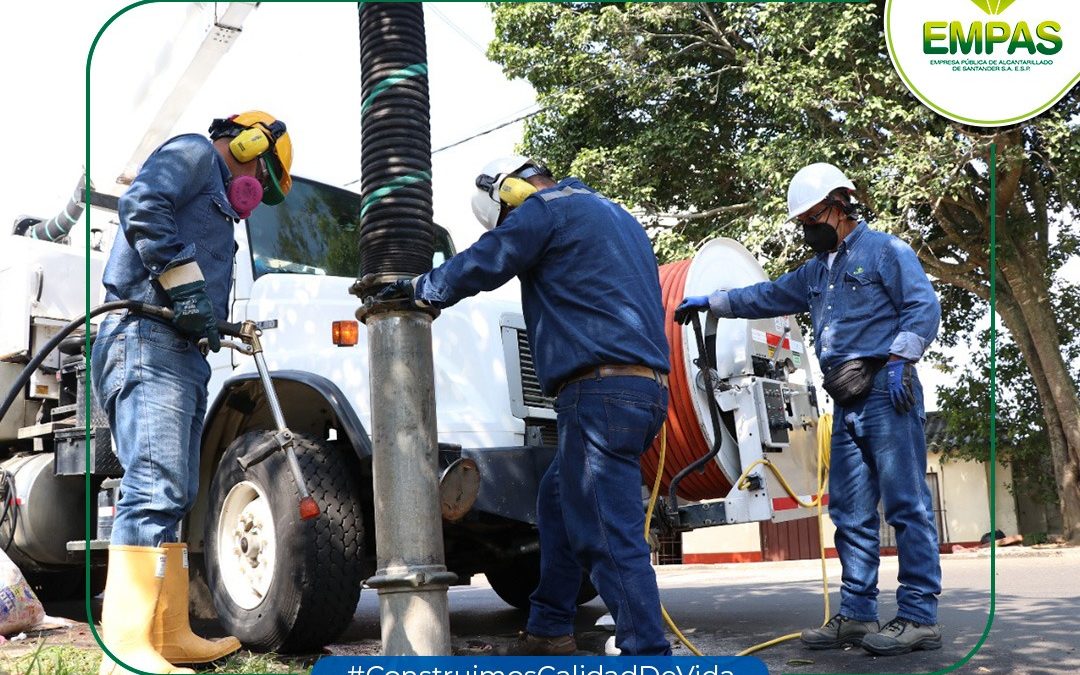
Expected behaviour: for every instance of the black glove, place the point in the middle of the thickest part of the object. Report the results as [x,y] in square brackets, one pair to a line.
[193,313]
[402,289]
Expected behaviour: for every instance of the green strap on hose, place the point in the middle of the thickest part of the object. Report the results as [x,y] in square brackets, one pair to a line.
[414,70]
[400,182]
[403,74]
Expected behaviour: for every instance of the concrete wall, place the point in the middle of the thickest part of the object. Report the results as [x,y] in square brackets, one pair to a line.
[1006,511]
[966,500]
[723,539]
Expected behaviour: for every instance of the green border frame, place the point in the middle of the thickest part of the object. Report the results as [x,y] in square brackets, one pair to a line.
[953,116]
[91,515]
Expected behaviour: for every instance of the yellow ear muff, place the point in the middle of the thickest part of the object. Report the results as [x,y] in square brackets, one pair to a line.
[249,144]
[514,191]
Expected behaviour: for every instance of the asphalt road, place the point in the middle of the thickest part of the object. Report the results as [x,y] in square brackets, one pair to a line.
[724,609]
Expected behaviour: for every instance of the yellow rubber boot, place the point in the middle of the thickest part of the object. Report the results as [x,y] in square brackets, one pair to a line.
[132,588]
[172,635]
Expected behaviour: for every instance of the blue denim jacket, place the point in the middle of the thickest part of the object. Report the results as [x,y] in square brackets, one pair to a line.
[174,212]
[590,286]
[875,301]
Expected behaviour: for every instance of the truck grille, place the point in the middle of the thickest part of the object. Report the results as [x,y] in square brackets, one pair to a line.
[532,394]
[527,400]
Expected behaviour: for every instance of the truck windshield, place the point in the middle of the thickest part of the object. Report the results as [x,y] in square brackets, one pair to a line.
[315,231]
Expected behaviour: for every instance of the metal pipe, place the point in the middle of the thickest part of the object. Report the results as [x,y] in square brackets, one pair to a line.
[308,507]
[411,577]
[396,242]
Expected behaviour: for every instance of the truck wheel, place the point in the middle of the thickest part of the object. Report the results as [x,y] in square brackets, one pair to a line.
[280,583]
[514,583]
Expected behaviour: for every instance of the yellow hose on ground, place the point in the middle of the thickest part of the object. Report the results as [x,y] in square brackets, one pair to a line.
[648,521]
[824,443]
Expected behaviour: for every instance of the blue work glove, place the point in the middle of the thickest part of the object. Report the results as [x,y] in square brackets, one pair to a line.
[689,305]
[901,389]
[193,313]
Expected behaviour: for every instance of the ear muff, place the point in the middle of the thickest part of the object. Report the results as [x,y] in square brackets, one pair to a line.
[514,191]
[249,144]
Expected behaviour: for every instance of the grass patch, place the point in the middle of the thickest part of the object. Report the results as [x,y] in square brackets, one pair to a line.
[53,661]
[74,661]
[250,663]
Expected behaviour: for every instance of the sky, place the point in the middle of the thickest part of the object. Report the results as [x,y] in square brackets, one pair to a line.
[297,60]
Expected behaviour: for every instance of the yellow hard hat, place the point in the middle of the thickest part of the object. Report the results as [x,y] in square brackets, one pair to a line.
[280,151]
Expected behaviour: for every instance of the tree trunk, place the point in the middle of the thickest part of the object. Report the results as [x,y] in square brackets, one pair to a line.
[1028,288]
[1068,495]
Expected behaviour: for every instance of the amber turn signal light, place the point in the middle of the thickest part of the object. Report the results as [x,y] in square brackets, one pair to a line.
[346,333]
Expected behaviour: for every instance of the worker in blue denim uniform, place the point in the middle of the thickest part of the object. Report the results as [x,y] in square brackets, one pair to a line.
[874,313]
[175,249]
[590,294]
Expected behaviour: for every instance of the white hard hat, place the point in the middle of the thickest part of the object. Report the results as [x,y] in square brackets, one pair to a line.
[486,205]
[813,184]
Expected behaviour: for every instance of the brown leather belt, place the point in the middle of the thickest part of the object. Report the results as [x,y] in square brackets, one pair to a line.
[598,372]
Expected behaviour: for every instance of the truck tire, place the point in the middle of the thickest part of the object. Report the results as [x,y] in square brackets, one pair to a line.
[514,583]
[280,583]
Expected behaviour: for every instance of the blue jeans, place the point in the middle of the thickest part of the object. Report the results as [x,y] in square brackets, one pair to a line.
[879,454]
[151,382]
[590,513]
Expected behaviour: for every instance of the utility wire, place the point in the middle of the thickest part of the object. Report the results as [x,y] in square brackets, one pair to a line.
[457,29]
[485,132]
[645,73]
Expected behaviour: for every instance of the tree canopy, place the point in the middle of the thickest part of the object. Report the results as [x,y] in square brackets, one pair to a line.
[696,115]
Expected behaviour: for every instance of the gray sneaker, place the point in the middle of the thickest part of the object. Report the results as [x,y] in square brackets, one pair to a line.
[901,636]
[839,631]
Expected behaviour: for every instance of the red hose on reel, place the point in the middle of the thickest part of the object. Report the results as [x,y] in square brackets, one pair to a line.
[685,441]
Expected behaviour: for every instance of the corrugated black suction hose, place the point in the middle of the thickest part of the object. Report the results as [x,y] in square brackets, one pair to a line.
[397,237]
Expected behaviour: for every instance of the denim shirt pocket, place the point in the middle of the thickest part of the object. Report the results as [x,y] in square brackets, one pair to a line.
[863,294]
[813,300]
[217,239]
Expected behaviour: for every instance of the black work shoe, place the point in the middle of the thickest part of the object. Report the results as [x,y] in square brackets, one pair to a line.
[901,636]
[535,645]
[839,631]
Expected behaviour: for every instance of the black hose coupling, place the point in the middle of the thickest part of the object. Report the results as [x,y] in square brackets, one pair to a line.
[388,293]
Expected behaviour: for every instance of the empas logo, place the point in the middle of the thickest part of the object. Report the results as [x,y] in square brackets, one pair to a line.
[985,62]
[941,37]
[993,6]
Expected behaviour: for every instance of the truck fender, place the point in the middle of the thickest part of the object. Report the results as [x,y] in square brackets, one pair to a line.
[242,394]
[310,403]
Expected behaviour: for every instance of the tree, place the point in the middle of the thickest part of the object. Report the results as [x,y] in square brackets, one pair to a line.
[698,114]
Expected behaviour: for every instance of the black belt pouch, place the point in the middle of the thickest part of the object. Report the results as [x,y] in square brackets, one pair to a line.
[852,380]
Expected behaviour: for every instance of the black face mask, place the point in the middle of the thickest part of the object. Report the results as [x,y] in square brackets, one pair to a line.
[820,237]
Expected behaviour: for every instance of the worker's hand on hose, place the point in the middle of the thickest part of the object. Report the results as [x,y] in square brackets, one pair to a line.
[901,389]
[690,304]
[193,313]
[402,289]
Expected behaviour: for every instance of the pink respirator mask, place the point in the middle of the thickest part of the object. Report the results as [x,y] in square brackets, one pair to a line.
[244,193]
